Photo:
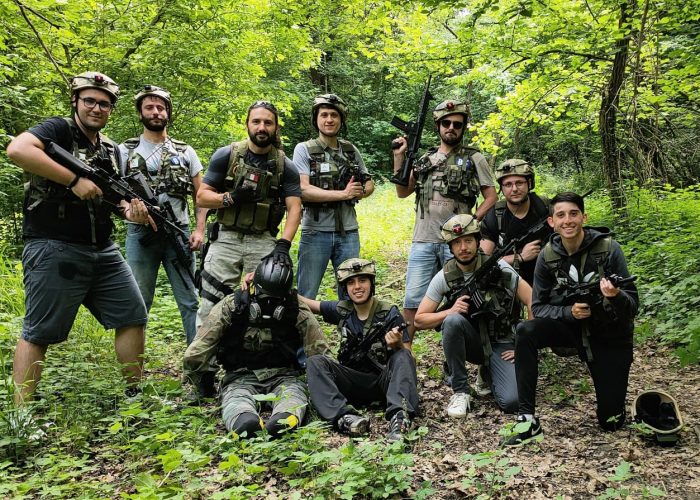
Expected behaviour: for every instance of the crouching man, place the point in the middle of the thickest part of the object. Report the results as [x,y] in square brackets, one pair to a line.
[375,363]
[256,335]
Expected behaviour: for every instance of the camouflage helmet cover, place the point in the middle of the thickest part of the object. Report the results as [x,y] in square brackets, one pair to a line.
[331,100]
[152,90]
[95,80]
[459,225]
[355,267]
[450,107]
[515,166]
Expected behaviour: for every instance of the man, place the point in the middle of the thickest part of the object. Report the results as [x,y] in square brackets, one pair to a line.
[599,326]
[447,180]
[333,179]
[172,170]
[69,258]
[366,371]
[511,218]
[256,335]
[478,329]
[251,183]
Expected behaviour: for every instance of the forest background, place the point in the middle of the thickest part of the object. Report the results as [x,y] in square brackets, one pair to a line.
[596,94]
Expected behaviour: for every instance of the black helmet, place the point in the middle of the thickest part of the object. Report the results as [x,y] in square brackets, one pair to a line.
[272,279]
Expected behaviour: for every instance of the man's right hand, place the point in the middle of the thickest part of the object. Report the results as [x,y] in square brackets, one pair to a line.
[399,146]
[243,195]
[461,305]
[581,310]
[85,189]
[531,250]
[353,190]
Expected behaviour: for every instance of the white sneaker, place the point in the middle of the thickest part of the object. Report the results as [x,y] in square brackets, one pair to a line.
[481,387]
[460,404]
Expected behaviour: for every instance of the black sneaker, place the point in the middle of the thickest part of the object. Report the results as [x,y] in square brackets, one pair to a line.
[398,426]
[352,425]
[532,433]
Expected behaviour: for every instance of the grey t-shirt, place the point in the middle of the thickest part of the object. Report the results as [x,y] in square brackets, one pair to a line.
[438,289]
[427,229]
[152,153]
[326,216]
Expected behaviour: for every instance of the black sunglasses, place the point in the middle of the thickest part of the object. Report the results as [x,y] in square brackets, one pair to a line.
[456,125]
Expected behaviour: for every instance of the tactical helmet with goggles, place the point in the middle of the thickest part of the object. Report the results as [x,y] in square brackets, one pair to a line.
[332,101]
[356,267]
[153,91]
[272,279]
[450,107]
[460,225]
[94,80]
[518,167]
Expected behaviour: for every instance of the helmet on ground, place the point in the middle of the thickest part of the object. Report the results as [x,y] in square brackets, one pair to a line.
[356,267]
[272,279]
[515,166]
[460,225]
[332,101]
[451,107]
[659,411]
[94,80]
[152,90]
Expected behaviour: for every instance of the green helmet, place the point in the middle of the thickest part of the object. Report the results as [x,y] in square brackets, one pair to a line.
[459,225]
[334,102]
[356,267]
[94,80]
[515,166]
[450,107]
[152,90]
[658,411]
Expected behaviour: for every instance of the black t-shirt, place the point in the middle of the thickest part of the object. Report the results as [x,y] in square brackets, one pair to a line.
[218,168]
[512,227]
[64,217]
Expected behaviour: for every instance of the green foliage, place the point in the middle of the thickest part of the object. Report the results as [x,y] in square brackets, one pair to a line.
[489,472]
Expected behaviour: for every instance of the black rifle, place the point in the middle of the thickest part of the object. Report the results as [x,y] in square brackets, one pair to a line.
[115,189]
[413,131]
[354,354]
[349,172]
[589,293]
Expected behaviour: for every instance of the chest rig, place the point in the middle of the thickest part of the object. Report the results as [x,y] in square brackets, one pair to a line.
[173,176]
[348,337]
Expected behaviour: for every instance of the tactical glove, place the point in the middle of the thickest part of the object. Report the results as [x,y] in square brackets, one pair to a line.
[280,254]
[243,194]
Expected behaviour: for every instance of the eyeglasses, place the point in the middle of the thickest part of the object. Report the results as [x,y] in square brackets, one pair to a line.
[511,185]
[90,103]
[456,125]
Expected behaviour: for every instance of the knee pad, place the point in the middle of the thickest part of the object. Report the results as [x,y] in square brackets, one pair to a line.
[279,423]
[248,423]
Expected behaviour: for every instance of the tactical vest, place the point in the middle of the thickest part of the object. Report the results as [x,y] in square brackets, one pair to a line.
[264,214]
[173,176]
[42,190]
[257,344]
[501,311]
[539,205]
[377,314]
[455,177]
[325,172]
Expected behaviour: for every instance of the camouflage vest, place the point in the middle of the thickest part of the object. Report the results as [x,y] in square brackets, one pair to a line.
[267,211]
[257,344]
[377,314]
[41,190]
[173,176]
[501,311]
[325,170]
[455,177]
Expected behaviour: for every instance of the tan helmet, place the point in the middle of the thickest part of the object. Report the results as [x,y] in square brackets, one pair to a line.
[659,412]
[515,166]
[94,80]
[334,102]
[459,225]
[451,107]
[154,91]
[356,267]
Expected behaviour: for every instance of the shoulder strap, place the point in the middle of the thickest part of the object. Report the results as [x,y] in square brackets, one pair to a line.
[314,147]
[453,274]
[179,146]
[599,252]
[540,204]
[132,143]
[500,208]
[238,150]
[551,258]
[347,148]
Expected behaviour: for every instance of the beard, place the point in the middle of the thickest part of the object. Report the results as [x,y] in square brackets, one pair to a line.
[452,141]
[261,143]
[465,262]
[153,126]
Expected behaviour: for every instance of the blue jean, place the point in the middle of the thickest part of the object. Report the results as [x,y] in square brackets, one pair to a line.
[316,249]
[424,262]
[145,260]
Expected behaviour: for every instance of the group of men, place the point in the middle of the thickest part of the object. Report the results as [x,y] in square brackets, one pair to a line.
[488,264]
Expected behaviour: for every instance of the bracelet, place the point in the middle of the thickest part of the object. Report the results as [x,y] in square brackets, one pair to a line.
[73,182]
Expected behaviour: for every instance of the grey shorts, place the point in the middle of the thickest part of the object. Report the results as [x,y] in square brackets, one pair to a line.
[60,276]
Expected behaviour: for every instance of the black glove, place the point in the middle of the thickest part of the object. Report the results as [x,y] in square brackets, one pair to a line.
[206,387]
[280,254]
[243,194]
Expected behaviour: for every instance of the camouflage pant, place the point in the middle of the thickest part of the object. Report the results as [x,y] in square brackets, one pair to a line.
[232,255]
[237,396]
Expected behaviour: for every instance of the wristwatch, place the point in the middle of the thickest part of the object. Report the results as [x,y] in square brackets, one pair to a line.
[227,200]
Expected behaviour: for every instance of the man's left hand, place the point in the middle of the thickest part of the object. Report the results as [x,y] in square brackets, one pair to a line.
[394,339]
[608,289]
[196,240]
